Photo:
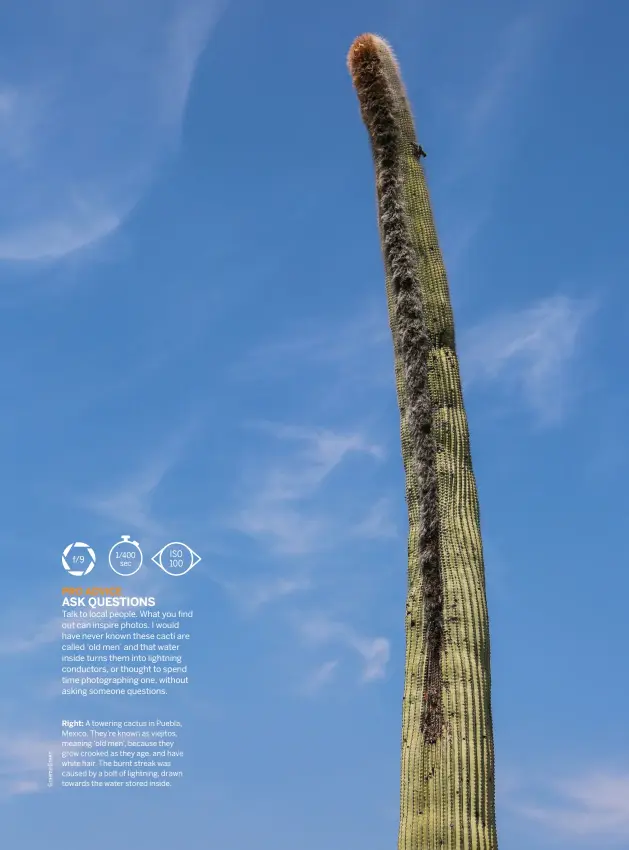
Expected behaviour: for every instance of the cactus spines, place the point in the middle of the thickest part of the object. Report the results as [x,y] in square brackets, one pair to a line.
[447,793]
[379,95]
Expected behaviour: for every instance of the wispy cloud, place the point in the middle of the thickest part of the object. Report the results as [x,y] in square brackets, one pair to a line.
[377,524]
[131,502]
[102,104]
[274,511]
[320,677]
[253,595]
[19,113]
[594,806]
[23,786]
[291,509]
[353,348]
[190,26]
[529,349]
[33,637]
[374,652]
[23,762]
[481,113]
[516,53]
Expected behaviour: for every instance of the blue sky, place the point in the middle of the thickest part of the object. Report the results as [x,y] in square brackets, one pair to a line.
[194,346]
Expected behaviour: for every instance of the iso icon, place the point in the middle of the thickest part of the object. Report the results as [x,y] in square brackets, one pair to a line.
[125,556]
[78,559]
[176,559]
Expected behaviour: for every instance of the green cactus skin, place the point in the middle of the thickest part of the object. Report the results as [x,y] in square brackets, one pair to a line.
[447,774]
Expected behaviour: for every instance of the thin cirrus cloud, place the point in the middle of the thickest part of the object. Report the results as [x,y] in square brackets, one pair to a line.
[21,760]
[518,46]
[254,595]
[284,514]
[374,652]
[131,502]
[529,350]
[355,347]
[279,513]
[37,634]
[92,97]
[481,118]
[595,806]
[321,676]
[377,524]
[480,114]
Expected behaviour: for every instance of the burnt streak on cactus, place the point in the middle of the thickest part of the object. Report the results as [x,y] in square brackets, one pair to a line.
[412,343]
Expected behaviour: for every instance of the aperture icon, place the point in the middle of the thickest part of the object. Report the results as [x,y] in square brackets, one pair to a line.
[78,559]
[176,559]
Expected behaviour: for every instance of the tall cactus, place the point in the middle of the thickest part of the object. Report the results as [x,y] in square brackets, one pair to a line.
[447,782]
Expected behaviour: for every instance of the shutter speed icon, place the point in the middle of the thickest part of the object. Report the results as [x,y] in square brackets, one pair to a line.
[125,556]
[176,559]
